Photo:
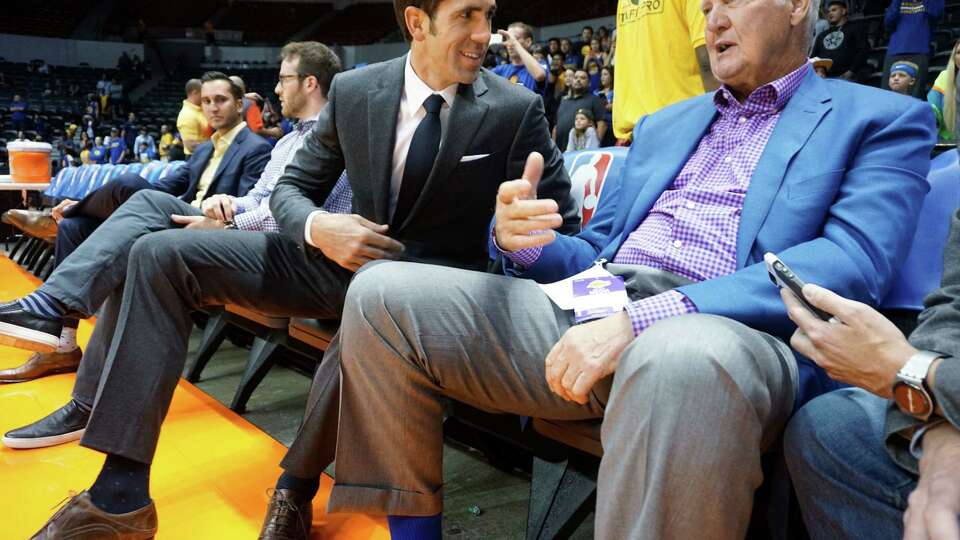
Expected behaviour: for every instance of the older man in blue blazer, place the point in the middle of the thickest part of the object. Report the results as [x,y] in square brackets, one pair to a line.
[693,378]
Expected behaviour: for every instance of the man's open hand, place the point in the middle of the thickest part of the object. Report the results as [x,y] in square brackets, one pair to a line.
[520,213]
[585,354]
[351,240]
[58,210]
[934,505]
[866,350]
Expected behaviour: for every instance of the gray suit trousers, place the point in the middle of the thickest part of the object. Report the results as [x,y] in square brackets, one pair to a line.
[692,405]
[145,328]
[91,278]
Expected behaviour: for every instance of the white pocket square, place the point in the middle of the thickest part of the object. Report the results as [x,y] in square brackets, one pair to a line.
[473,157]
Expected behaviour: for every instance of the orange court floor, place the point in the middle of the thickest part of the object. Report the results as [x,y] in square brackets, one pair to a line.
[210,476]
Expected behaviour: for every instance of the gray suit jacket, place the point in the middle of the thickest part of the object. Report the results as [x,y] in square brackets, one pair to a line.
[449,223]
[938,330]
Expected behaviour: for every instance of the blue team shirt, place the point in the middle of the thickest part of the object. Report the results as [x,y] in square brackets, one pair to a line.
[117,146]
[98,154]
[520,75]
[18,110]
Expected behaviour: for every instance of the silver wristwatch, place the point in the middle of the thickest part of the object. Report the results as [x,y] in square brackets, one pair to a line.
[911,391]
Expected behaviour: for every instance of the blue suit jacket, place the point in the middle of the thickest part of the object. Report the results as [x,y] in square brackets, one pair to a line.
[239,169]
[836,194]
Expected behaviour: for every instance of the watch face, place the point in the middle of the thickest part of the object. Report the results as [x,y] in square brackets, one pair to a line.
[912,401]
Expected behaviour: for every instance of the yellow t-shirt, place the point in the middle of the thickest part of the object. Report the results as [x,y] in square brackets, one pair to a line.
[655,59]
[191,124]
[220,145]
[166,141]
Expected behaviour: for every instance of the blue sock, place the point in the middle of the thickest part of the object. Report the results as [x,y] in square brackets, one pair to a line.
[41,304]
[415,527]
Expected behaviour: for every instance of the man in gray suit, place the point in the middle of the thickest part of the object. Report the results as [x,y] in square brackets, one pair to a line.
[883,457]
[425,139]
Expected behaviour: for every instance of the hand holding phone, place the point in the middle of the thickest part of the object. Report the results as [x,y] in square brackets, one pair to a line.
[781,276]
[496,39]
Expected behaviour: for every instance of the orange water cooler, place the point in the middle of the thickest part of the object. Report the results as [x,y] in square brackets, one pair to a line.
[29,161]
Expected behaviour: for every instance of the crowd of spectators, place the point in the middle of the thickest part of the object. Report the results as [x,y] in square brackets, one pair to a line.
[570,75]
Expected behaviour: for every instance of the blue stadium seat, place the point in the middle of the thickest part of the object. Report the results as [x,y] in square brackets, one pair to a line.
[134,168]
[117,171]
[921,272]
[151,170]
[59,182]
[82,183]
[170,167]
[103,176]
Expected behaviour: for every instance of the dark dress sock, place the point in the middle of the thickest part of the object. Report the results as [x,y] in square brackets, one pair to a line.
[123,485]
[305,487]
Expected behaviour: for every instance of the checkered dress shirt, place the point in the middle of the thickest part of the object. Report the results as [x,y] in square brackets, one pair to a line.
[253,209]
[692,229]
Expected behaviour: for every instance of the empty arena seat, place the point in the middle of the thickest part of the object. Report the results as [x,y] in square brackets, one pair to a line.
[151,171]
[59,182]
[104,174]
[82,182]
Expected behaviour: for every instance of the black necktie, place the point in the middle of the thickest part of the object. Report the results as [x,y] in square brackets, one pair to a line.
[423,152]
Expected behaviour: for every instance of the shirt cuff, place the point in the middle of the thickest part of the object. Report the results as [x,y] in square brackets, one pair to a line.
[252,221]
[916,441]
[244,204]
[647,311]
[522,258]
[306,229]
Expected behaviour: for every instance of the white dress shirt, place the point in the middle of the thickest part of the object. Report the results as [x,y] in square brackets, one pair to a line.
[411,112]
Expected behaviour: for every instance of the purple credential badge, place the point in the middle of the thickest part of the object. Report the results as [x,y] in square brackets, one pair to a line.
[597,285]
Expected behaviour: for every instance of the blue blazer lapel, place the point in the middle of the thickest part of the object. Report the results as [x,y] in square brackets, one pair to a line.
[677,137]
[797,121]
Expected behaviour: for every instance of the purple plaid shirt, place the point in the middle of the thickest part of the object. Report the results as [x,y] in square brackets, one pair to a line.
[692,229]
[253,209]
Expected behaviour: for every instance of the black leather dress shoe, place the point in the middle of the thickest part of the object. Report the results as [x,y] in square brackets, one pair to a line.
[23,330]
[289,517]
[61,426]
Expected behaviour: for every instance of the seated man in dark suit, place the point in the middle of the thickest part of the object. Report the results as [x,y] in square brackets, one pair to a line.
[883,457]
[687,365]
[229,163]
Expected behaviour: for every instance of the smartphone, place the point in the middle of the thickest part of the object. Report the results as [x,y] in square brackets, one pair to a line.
[781,276]
[496,39]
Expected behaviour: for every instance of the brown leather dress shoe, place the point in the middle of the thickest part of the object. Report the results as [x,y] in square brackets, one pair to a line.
[288,517]
[79,519]
[41,365]
[35,223]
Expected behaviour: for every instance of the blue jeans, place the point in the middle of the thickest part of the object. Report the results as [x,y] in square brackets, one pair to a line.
[847,484]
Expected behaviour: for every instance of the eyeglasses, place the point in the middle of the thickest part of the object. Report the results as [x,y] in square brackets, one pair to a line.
[283,78]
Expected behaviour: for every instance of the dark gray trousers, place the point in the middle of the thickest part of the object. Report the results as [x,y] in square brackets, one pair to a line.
[139,346]
[82,219]
[692,405]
